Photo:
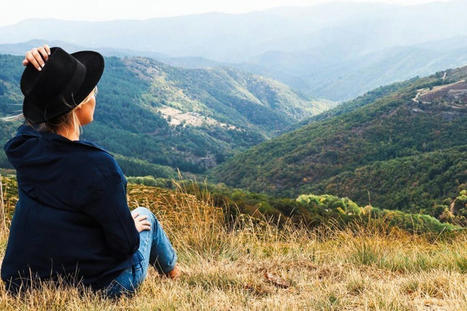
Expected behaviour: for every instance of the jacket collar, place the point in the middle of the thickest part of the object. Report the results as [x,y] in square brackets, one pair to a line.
[27,130]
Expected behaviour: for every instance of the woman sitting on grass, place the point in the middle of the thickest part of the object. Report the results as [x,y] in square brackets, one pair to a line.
[72,221]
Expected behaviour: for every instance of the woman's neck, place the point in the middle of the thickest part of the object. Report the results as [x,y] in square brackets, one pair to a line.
[71,134]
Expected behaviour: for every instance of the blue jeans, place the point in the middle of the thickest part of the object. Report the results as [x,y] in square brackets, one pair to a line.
[156,250]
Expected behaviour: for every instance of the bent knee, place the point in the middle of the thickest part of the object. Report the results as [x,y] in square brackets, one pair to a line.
[143,210]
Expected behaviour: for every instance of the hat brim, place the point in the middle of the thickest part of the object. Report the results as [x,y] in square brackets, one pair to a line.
[94,63]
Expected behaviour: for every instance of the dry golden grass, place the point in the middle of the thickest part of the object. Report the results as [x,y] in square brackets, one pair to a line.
[251,265]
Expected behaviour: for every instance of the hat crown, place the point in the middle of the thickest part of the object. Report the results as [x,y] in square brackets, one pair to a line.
[53,79]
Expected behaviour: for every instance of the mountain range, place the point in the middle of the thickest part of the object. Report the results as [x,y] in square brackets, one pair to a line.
[245,99]
[335,50]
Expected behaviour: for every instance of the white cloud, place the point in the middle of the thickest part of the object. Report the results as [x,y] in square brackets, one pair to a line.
[18,10]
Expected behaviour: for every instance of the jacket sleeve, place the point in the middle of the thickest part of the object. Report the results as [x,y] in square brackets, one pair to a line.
[110,209]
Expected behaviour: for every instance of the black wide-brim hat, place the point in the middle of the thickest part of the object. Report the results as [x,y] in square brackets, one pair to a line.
[62,84]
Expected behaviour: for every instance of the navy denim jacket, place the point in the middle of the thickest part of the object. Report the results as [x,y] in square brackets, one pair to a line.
[72,216]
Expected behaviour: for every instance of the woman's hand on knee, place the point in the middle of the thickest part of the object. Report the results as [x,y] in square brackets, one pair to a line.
[140,221]
[37,56]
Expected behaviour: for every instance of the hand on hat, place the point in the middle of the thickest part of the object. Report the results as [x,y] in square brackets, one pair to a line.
[35,56]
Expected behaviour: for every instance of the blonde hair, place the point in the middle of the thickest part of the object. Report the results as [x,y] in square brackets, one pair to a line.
[55,124]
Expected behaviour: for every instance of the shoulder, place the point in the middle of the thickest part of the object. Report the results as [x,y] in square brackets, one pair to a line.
[95,155]
[105,165]
[96,166]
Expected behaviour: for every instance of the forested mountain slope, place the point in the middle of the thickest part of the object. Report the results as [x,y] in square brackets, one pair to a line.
[405,149]
[190,119]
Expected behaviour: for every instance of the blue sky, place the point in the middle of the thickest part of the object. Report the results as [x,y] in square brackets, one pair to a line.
[99,10]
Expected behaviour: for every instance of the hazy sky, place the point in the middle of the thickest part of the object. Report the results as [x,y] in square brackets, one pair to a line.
[18,10]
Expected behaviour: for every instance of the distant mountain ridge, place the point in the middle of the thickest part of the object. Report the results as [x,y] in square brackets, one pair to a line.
[238,37]
[324,50]
[346,75]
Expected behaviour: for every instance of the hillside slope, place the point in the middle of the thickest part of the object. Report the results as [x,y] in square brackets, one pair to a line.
[422,116]
[190,119]
[258,266]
